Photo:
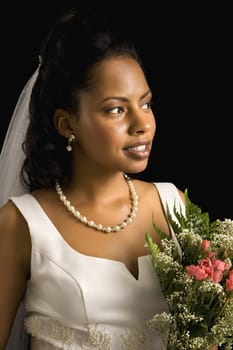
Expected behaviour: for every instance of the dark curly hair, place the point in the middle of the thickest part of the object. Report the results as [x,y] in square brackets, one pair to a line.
[76,43]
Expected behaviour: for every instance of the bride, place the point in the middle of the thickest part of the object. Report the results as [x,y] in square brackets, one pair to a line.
[73,214]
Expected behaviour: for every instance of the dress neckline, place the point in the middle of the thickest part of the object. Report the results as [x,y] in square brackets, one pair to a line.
[140,259]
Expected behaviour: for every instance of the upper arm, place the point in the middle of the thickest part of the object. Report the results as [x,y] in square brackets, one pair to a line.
[15,248]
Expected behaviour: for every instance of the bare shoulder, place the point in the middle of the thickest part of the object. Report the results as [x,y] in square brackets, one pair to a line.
[150,202]
[181,193]
[10,217]
[150,189]
[15,253]
[14,234]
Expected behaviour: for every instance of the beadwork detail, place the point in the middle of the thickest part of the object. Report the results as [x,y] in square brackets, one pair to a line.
[91,223]
[62,334]
[97,339]
[33,325]
[52,332]
[49,334]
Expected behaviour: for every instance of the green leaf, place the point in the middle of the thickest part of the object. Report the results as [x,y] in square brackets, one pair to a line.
[193,219]
[199,330]
[154,249]
[161,233]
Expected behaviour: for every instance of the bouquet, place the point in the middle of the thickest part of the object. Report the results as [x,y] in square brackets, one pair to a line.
[197,281]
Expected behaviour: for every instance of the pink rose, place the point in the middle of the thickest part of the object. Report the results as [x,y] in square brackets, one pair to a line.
[220,265]
[206,265]
[210,268]
[229,282]
[205,245]
[197,272]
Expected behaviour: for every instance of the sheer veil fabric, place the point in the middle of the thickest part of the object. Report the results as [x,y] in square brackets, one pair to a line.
[12,156]
[11,160]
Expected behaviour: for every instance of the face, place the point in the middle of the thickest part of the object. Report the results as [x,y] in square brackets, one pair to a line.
[115,126]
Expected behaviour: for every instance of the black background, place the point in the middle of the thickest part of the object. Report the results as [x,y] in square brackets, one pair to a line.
[186,51]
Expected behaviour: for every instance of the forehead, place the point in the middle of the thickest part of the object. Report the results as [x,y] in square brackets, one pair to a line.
[117,73]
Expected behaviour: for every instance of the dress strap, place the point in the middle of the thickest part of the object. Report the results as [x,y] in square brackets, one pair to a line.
[171,199]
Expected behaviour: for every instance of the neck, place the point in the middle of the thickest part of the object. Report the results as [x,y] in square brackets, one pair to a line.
[119,226]
[95,186]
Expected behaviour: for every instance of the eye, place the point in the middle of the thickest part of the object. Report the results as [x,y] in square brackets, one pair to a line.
[146,105]
[116,110]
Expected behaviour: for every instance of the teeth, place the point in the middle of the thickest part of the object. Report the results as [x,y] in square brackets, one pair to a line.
[138,148]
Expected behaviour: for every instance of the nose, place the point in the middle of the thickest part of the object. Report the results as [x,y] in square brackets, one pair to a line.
[141,122]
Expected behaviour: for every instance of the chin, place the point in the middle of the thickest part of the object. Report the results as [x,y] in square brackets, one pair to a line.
[134,166]
[135,170]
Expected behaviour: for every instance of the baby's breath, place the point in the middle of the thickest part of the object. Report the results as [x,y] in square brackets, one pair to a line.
[200,309]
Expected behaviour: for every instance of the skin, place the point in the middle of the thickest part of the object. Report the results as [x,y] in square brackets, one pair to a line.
[114,116]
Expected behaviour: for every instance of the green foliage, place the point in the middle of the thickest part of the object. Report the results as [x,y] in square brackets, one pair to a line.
[201,309]
[194,219]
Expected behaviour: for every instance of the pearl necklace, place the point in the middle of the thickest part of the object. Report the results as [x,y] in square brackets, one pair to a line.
[91,223]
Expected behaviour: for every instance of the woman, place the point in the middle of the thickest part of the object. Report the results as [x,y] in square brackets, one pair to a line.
[72,241]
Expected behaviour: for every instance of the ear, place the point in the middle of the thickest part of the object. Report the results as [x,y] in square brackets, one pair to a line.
[62,122]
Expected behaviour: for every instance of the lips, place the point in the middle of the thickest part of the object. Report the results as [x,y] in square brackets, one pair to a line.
[139,150]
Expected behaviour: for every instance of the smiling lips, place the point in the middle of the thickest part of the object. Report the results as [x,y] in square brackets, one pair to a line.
[138,151]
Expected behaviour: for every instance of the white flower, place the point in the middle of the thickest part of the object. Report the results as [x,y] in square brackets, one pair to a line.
[199,287]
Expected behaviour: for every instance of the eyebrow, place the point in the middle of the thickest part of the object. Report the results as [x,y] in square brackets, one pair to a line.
[124,99]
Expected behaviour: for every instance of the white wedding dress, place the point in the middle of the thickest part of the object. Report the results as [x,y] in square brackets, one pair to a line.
[75,301]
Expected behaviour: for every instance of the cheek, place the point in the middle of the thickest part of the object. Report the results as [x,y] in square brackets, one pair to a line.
[155,128]
[109,133]
[153,125]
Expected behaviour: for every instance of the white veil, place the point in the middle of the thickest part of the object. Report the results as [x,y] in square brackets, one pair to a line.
[12,156]
[11,161]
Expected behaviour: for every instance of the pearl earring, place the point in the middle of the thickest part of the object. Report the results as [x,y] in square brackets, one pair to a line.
[70,140]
